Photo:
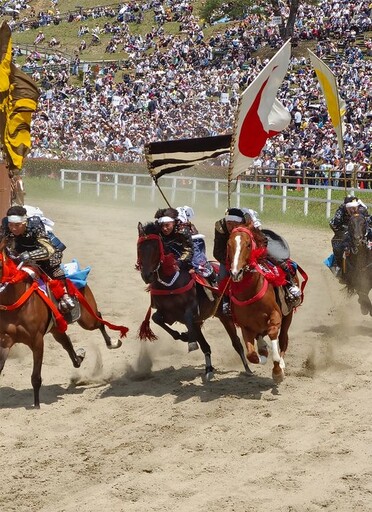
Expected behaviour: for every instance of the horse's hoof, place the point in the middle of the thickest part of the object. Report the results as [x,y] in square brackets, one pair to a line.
[278,377]
[114,344]
[263,359]
[193,345]
[253,358]
[365,310]
[80,354]
[184,336]
[209,376]
[263,352]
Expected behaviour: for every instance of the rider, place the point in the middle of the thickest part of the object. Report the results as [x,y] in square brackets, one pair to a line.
[175,240]
[200,261]
[339,225]
[235,217]
[28,241]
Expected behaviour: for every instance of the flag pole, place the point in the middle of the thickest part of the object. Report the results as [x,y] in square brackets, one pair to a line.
[161,192]
[342,148]
[232,146]
[149,168]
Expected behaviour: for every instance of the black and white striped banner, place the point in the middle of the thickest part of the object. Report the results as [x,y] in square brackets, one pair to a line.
[175,155]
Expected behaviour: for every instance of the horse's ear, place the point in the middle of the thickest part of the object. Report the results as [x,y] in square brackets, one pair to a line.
[140,228]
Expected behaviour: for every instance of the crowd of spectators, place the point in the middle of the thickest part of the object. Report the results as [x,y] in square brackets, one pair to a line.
[184,86]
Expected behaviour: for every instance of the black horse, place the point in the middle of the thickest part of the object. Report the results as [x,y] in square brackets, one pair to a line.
[177,298]
[357,272]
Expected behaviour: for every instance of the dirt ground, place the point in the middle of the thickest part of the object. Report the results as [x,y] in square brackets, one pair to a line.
[137,430]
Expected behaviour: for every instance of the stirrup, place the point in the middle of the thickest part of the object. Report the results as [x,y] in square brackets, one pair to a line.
[226,308]
[66,303]
[294,291]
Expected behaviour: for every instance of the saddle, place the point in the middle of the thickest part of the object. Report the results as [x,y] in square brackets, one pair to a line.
[277,246]
[209,284]
[51,289]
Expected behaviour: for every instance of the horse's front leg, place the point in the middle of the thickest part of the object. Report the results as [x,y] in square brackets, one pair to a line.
[37,354]
[274,325]
[63,339]
[157,317]
[206,349]
[365,303]
[249,337]
[189,321]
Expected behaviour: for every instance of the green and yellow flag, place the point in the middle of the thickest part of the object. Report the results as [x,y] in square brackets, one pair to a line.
[19,96]
[336,106]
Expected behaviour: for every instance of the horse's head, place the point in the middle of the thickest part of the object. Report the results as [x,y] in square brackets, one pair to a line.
[357,229]
[149,251]
[239,251]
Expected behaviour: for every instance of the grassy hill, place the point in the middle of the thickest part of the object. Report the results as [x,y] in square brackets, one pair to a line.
[67,33]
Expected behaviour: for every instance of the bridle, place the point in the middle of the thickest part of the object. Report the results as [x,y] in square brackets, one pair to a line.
[153,236]
[251,264]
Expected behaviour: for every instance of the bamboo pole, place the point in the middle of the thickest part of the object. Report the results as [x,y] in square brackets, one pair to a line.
[5,190]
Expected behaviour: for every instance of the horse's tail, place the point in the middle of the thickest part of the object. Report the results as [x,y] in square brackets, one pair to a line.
[145,332]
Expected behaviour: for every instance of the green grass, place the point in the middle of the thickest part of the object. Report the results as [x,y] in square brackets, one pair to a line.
[38,190]
[66,32]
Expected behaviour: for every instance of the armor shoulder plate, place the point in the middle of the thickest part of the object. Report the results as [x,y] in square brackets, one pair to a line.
[219,227]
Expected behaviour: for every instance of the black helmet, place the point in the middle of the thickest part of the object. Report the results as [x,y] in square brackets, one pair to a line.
[349,199]
[235,214]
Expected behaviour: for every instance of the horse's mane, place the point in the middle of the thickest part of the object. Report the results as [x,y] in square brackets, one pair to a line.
[151,228]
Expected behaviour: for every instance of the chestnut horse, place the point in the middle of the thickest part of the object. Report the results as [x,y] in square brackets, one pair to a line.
[26,316]
[357,271]
[254,303]
[176,298]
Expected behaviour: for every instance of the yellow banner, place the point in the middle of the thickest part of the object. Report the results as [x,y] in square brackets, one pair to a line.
[335,105]
[18,96]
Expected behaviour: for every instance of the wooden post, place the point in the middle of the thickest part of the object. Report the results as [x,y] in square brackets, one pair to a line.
[5,192]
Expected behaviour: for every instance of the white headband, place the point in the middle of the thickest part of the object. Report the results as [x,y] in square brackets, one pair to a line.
[352,204]
[165,219]
[233,218]
[17,219]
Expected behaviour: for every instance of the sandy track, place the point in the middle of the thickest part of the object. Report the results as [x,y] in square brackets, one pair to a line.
[137,430]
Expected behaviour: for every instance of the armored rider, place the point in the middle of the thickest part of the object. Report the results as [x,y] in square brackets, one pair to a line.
[28,241]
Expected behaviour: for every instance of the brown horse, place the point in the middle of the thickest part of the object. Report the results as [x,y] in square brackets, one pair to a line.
[254,303]
[176,298]
[26,316]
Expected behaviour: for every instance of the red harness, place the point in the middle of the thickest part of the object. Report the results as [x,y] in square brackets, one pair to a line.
[176,291]
[14,275]
[256,297]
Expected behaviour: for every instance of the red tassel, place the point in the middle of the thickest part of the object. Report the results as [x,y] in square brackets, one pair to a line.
[145,332]
[56,287]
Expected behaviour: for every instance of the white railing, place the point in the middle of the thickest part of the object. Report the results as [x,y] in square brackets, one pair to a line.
[200,188]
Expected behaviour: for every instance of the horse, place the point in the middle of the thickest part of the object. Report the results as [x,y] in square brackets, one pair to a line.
[176,298]
[255,304]
[26,316]
[357,268]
